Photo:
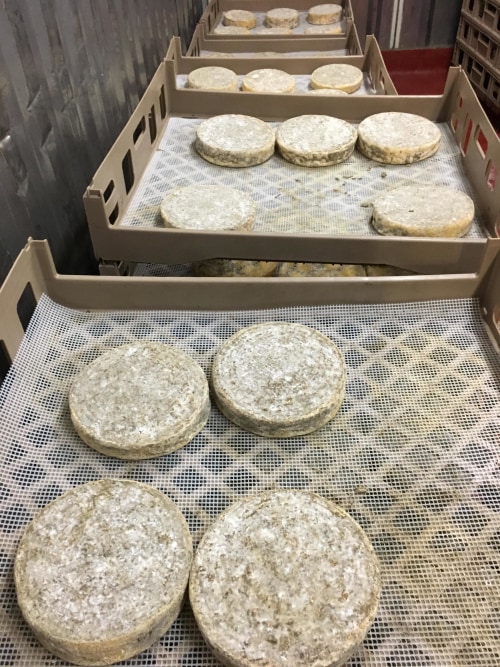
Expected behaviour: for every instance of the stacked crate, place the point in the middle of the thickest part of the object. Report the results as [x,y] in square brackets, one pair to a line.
[477,48]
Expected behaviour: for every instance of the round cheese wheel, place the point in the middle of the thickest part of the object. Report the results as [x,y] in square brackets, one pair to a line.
[231,30]
[315,140]
[139,400]
[423,210]
[212,78]
[101,571]
[239,17]
[335,29]
[395,137]
[324,14]
[234,140]
[376,270]
[316,269]
[268,81]
[208,207]
[333,92]
[284,578]
[274,31]
[215,268]
[282,17]
[340,77]
[278,379]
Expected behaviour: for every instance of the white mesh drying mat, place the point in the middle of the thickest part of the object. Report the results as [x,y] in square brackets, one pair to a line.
[290,199]
[274,54]
[412,455]
[340,27]
[302,83]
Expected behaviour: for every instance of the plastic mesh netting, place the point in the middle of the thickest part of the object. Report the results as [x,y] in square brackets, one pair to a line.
[412,455]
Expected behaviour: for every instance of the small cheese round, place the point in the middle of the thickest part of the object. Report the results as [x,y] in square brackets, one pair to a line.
[284,578]
[335,29]
[319,269]
[278,379]
[423,210]
[215,268]
[207,206]
[101,571]
[139,401]
[268,81]
[234,140]
[240,18]
[315,140]
[281,17]
[395,137]
[212,78]
[231,30]
[274,31]
[333,92]
[324,14]
[340,77]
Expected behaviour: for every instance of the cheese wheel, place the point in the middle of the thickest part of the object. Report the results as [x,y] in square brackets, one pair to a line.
[376,270]
[335,29]
[284,578]
[333,92]
[340,77]
[212,78]
[234,140]
[274,31]
[315,140]
[395,137]
[268,81]
[278,379]
[423,210]
[316,269]
[240,18]
[139,400]
[215,268]
[101,571]
[324,14]
[231,30]
[207,206]
[281,17]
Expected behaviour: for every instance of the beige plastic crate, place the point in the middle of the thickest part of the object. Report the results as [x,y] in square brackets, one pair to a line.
[376,78]
[203,44]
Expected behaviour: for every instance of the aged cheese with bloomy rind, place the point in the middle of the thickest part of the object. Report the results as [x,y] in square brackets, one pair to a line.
[208,206]
[139,401]
[316,140]
[423,210]
[101,571]
[324,14]
[284,578]
[278,379]
[337,76]
[234,140]
[334,29]
[231,30]
[395,137]
[319,269]
[212,78]
[240,18]
[215,268]
[268,81]
[376,270]
[281,17]
[333,92]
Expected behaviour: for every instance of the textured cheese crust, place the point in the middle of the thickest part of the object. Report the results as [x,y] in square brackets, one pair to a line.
[324,14]
[328,91]
[335,29]
[302,269]
[375,270]
[395,137]
[234,140]
[101,572]
[240,18]
[139,400]
[231,30]
[315,140]
[208,207]
[268,81]
[278,379]
[282,17]
[215,268]
[340,77]
[274,31]
[212,78]
[423,210]
[284,578]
